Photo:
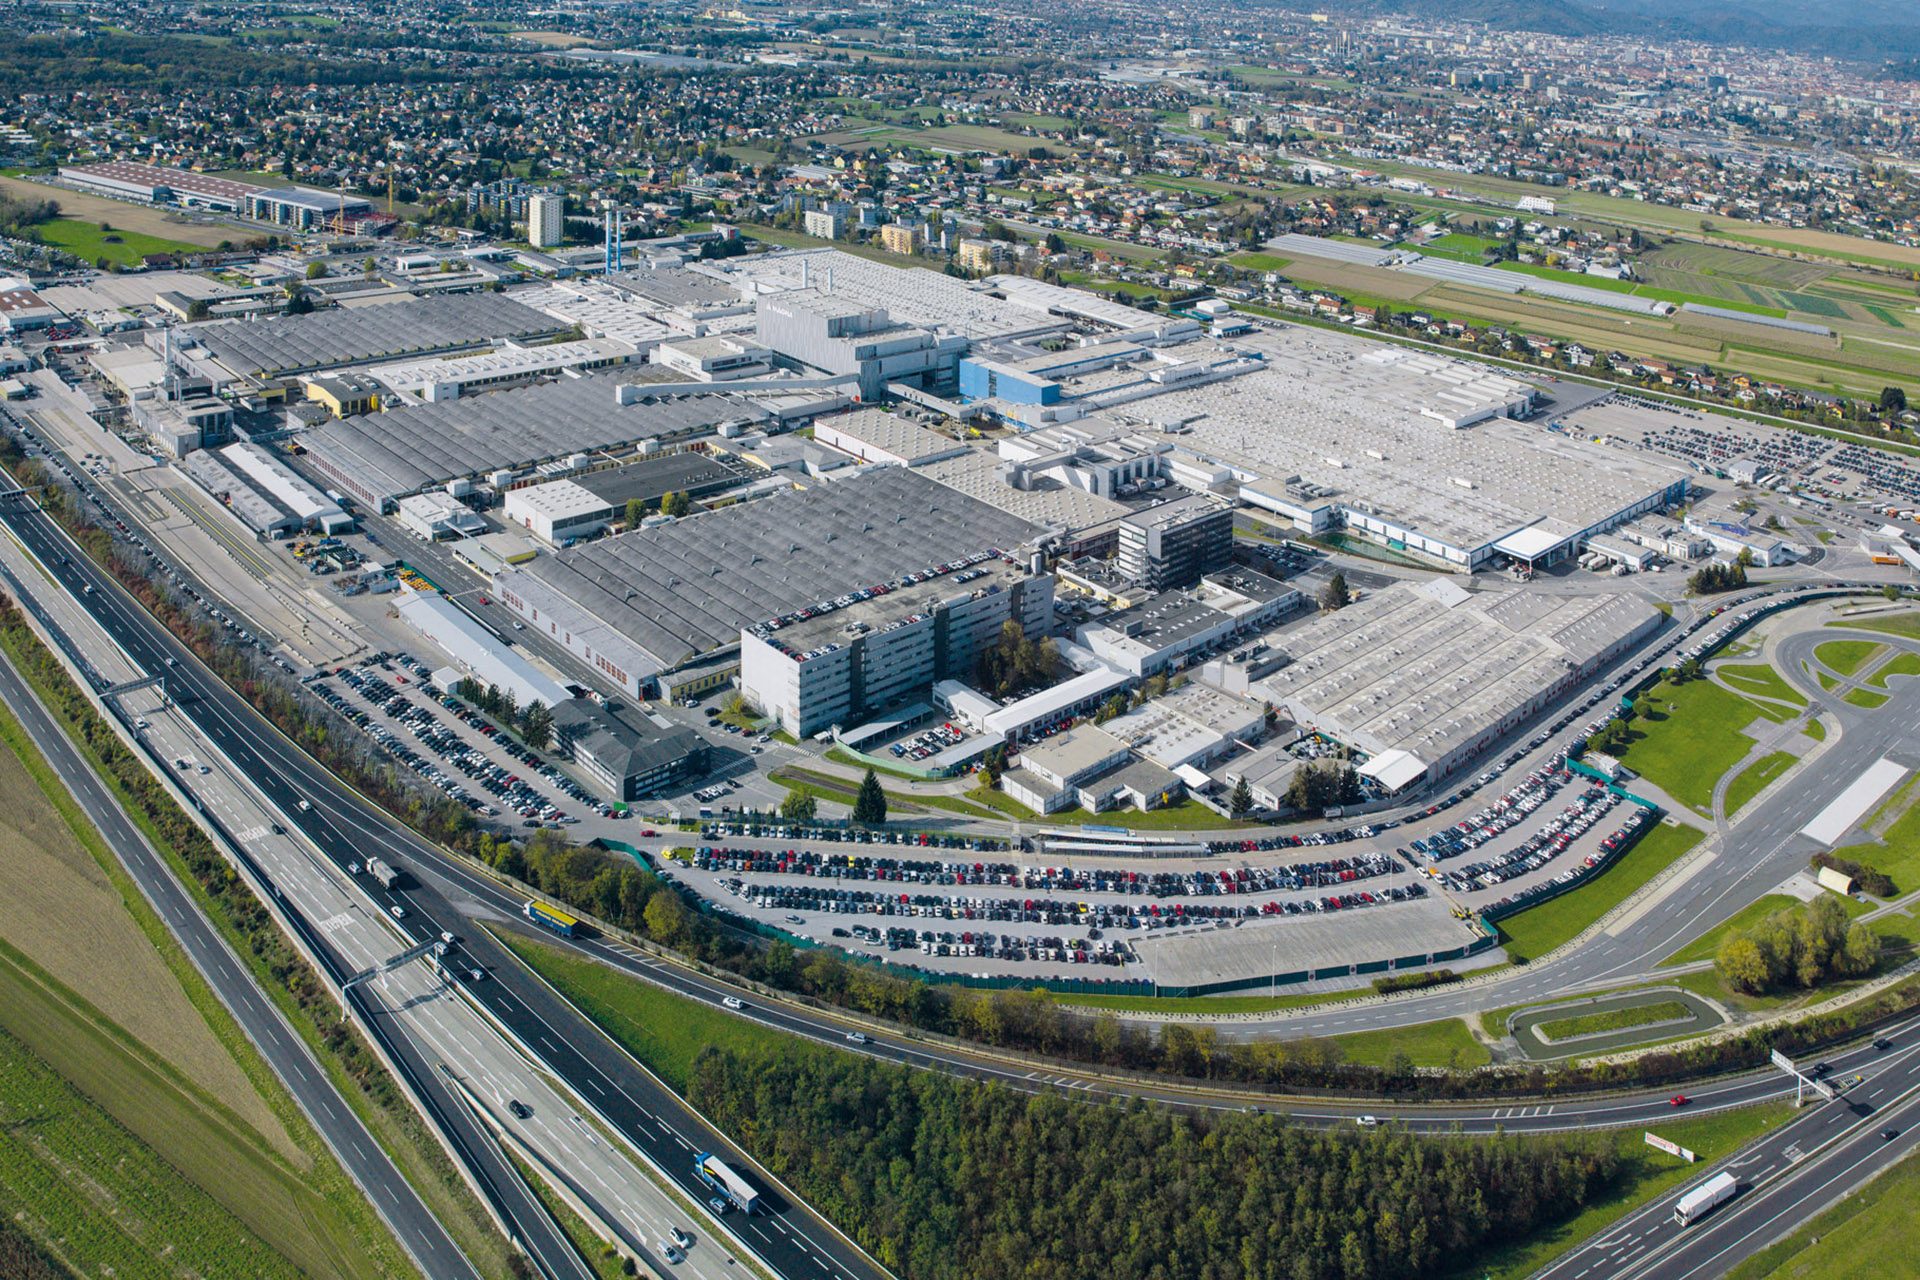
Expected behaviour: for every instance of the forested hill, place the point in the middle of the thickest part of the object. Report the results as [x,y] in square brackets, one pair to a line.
[946,1179]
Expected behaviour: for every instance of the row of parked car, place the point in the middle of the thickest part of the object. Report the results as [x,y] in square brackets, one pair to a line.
[1054,911]
[1543,846]
[850,835]
[967,943]
[1502,815]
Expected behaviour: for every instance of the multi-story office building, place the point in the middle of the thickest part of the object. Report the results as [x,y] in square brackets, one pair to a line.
[851,662]
[1173,545]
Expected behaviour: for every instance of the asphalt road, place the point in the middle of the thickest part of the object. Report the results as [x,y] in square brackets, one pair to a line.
[788,1237]
[1784,1178]
[363,1158]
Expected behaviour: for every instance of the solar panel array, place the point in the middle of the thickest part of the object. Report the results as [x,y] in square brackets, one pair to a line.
[330,339]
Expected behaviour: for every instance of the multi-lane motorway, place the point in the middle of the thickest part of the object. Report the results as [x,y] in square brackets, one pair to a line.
[344,828]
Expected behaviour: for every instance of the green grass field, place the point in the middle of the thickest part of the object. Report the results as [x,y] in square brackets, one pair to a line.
[86,240]
[1588,1024]
[1865,698]
[1847,656]
[1645,1174]
[1446,1043]
[128,1154]
[1868,1236]
[1684,737]
[1532,933]
[1761,679]
[663,1030]
[258,1180]
[1753,779]
[97,1197]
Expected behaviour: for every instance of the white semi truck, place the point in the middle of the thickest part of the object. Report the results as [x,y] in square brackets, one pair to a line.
[1703,1199]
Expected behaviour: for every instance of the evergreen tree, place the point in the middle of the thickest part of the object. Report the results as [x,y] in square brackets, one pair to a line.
[870,806]
[1242,801]
[1335,595]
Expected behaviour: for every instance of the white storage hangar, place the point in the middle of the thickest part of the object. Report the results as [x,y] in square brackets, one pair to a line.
[872,435]
[910,295]
[262,492]
[161,185]
[475,650]
[646,602]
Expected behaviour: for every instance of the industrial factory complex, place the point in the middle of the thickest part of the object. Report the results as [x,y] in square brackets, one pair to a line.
[837,487]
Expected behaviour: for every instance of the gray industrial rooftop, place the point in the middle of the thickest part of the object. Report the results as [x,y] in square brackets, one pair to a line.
[909,295]
[386,455]
[678,590]
[1428,669]
[329,339]
[1365,421]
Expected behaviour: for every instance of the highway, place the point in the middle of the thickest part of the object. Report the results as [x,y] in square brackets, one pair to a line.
[789,1238]
[1784,1178]
[419,1233]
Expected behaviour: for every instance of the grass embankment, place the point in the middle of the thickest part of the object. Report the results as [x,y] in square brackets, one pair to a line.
[1446,1043]
[1532,933]
[1761,679]
[1591,1024]
[1645,1174]
[249,929]
[1755,777]
[663,1030]
[1847,656]
[1704,946]
[1902,664]
[1208,1004]
[162,1078]
[1868,1236]
[1898,624]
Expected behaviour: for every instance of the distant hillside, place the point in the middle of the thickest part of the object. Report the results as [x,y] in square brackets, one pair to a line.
[1866,30]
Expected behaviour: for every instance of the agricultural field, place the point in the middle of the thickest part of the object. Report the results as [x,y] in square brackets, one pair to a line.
[59,906]
[157,1130]
[125,216]
[552,39]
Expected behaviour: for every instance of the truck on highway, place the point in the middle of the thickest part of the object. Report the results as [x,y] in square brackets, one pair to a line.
[1703,1199]
[385,875]
[716,1173]
[551,918]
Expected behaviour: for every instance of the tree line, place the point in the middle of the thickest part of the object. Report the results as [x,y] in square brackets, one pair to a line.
[942,1178]
[1716,578]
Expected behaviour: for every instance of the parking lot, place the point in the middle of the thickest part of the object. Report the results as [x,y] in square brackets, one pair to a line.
[388,697]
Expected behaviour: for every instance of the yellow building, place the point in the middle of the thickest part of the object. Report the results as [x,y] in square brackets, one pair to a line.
[895,238]
[975,255]
[344,395]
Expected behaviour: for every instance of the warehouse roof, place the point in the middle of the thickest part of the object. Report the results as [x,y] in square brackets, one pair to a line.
[388,454]
[327,339]
[682,589]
